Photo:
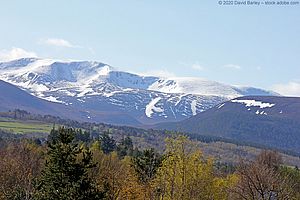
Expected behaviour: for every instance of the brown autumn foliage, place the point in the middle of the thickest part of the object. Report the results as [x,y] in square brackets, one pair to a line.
[20,164]
[261,179]
[115,177]
[184,174]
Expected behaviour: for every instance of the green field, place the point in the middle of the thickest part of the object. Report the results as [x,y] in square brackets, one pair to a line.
[22,127]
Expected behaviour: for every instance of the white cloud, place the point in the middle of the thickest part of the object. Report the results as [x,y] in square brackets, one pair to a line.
[58,42]
[232,66]
[159,73]
[289,89]
[197,67]
[15,53]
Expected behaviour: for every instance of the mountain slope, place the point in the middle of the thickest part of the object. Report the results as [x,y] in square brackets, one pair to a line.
[271,121]
[12,98]
[98,87]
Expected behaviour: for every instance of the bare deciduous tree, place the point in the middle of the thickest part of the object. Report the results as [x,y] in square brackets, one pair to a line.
[261,180]
[20,164]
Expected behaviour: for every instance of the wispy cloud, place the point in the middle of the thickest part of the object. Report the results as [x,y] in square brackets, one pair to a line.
[288,89]
[15,53]
[232,66]
[198,67]
[58,42]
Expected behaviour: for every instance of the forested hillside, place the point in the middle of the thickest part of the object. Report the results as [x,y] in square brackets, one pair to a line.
[225,150]
[68,166]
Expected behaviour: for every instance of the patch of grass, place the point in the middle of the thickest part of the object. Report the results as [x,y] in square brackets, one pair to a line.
[22,127]
[3,119]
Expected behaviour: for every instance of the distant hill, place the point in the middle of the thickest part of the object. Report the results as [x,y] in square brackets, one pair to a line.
[270,121]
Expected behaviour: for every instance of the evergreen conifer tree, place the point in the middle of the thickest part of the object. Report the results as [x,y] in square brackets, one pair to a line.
[146,164]
[65,176]
[125,148]
[107,143]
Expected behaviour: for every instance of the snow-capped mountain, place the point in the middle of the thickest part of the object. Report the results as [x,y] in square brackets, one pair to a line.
[98,87]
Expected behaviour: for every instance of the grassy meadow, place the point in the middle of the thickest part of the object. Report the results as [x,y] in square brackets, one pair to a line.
[22,127]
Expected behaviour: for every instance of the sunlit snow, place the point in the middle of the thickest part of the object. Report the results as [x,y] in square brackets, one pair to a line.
[250,103]
[193,107]
[151,108]
[220,106]
[52,99]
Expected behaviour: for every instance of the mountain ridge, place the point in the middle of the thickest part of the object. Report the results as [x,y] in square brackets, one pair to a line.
[90,85]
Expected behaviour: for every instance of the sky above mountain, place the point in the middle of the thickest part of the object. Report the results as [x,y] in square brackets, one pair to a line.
[240,45]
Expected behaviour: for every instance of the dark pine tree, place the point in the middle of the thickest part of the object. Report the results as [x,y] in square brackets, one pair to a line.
[107,143]
[125,148]
[65,176]
[146,164]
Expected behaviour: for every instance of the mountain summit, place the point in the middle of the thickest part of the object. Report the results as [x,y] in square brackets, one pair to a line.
[98,87]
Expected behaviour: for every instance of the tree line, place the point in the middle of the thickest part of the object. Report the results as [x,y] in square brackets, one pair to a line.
[70,166]
[151,136]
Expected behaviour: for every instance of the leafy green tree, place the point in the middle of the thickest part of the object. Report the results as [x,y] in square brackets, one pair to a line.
[65,176]
[186,174]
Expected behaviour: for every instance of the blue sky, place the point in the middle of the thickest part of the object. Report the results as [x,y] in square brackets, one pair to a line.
[241,45]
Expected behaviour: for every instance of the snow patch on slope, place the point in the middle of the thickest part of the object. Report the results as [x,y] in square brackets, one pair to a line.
[250,103]
[53,99]
[151,108]
[220,106]
[193,107]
